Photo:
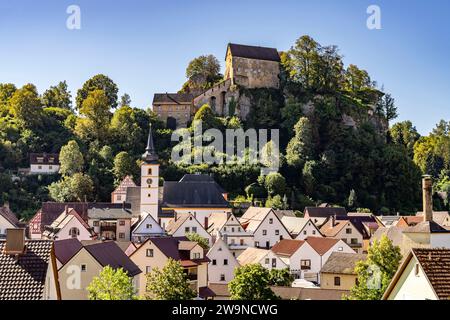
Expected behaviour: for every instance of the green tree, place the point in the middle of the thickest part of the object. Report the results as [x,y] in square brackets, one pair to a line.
[251,282]
[125,100]
[124,165]
[81,186]
[281,277]
[6,92]
[357,79]
[71,159]
[26,106]
[95,122]
[275,202]
[352,198]
[98,82]
[386,107]
[202,73]
[300,148]
[404,133]
[170,283]
[206,115]
[376,272]
[275,184]
[58,96]
[203,242]
[111,285]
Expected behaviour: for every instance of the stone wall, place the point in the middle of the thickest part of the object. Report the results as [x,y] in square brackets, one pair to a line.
[252,73]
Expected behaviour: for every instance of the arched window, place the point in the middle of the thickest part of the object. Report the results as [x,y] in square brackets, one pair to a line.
[74,232]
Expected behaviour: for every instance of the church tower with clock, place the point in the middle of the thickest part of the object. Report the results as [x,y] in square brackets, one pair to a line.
[149,180]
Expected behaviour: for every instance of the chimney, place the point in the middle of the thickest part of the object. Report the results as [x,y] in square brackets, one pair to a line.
[427,191]
[66,209]
[6,205]
[206,223]
[15,241]
[123,205]
[333,220]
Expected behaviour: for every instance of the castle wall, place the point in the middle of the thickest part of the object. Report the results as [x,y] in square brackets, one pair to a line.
[252,73]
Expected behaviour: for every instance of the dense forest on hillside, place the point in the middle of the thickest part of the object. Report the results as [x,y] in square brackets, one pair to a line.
[336,143]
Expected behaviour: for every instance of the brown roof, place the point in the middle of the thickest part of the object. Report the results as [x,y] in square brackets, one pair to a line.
[66,249]
[325,212]
[9,215]
[342,263]
[330,230]
[426,227]
[253,52]
[108,253]
[175,224]
[289,293]
[126,183]
[24,278]
[287,247]
[177,98]
[321,245]
[436,265]
[219,289]
[46,158]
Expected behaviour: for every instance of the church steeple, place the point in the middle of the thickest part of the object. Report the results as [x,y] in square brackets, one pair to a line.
[150,155]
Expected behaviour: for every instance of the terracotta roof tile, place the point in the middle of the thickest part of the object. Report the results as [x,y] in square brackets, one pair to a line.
[287,247]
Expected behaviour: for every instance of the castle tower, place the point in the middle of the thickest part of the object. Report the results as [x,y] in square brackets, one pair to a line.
[149,179]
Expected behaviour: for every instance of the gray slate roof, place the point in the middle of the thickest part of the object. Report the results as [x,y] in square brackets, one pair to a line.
[109,213]
[24,278]
[178,98]
[254,52]
[191,191]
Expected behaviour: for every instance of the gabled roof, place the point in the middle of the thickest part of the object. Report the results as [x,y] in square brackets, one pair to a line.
[109,213]
[146,219]
[287,247]
[330,230]
[253,217]
[325,212]
[253,52]
[6,213]
[126,183]
[23,278]
[342,263]
[435,263]
[321,245]
[66,249]
[362,223]
[63,219]
[177,98]
[108,253]
[426,227]
[200,192]
[439,217]
[394,233]
[252,256]
[284,213]
[295,225]
[46,158]
[217,221]
[175,224]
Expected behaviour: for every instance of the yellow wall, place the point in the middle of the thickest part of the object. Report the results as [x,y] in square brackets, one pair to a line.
[69,271]
[347,281]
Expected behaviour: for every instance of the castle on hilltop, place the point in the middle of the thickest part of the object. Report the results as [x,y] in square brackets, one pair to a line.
[247,67]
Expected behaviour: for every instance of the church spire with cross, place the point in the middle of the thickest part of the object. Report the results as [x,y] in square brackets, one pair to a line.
[150,155]
[149,179]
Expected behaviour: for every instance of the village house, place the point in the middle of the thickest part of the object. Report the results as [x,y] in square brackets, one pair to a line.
[347,231]
[79,263]
[119,195]
[423,275]
[110,223]
[265,226]
[174,109]
[183,224]
[305,258]
[222,263]
[339,271]
[440,217]
[319,215]
[44,163]
[267,258]
[68,225]
[231,231]
[27,268]
[8,220]
[300,228]
[145,228]
[155,252]
[50,211]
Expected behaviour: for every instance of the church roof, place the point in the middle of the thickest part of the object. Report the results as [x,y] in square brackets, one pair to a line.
[150,155]
[193,192]
[254,52]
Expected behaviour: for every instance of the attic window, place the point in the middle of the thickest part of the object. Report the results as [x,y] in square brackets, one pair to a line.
[40,159]
[83,268]
[270,220]
[149,172]
[417,270]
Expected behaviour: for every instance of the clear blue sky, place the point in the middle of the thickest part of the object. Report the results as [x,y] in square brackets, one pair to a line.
[144,46]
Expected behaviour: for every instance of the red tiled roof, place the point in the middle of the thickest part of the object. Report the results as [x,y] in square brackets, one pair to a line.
[287,247]
[321,245]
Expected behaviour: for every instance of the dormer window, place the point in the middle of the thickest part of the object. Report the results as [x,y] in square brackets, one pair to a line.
[51,160]
[40,159]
